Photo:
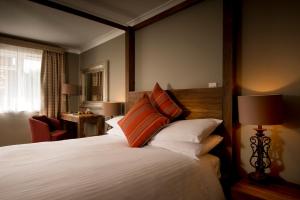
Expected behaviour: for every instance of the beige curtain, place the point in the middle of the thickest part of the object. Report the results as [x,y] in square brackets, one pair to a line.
[52,77]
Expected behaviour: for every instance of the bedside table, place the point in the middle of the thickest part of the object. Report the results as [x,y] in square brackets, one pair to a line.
[245,190]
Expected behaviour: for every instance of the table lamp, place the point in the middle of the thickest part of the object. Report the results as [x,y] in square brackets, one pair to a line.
[111,109]
[260,110]
[69,89]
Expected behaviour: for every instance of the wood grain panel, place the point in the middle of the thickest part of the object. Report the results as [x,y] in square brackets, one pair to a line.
[196,103]
[275,190]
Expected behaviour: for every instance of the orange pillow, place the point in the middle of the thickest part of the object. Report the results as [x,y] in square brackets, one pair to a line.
[163,103]
[141,122]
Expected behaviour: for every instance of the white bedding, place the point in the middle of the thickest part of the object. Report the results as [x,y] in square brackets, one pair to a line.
[103,168]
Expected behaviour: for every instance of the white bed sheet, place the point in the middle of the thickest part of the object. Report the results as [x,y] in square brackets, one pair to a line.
[214,161]
[103,168]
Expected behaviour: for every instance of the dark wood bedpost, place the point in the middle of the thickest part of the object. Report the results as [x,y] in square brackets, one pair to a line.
[129,61]
[229,88]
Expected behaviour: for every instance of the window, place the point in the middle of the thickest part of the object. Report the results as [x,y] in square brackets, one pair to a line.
[20,70]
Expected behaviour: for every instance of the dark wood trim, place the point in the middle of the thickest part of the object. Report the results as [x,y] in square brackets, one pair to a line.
[166,13]
[129,61]
[73,11]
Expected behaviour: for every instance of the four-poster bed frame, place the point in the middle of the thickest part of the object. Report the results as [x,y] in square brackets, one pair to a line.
[228,89]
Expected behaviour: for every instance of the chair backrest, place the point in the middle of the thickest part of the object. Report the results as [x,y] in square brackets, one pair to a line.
[39,131]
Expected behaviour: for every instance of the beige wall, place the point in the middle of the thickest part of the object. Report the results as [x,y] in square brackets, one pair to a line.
[114,52]
[269,62]
[14,128]
[183,50]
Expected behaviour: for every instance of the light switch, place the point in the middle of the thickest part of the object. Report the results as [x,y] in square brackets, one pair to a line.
[212,85]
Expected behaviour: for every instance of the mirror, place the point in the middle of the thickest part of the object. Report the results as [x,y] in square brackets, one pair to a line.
[94,82]
[94,86]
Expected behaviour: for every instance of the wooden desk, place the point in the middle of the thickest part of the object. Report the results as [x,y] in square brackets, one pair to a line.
[81,119]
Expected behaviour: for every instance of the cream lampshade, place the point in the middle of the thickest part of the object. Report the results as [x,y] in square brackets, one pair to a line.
[69,89]
[112,108]
[260,110]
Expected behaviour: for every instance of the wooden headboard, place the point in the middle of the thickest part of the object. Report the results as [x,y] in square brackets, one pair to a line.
[200,103]
[197,103]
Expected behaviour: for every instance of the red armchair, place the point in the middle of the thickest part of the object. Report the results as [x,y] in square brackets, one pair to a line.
[45,129]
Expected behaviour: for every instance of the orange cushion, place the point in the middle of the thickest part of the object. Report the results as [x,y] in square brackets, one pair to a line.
[163,103]
[141,122]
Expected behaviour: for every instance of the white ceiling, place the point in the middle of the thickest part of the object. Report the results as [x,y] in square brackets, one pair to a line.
[30,20]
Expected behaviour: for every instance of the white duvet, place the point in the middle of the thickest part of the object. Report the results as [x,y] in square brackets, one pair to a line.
[103,168]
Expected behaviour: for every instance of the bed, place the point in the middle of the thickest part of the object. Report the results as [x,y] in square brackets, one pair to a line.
[104,167]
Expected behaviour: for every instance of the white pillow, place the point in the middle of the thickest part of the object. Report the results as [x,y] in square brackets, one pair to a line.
[194,130]
[193,150]
[113,122]
[117,131]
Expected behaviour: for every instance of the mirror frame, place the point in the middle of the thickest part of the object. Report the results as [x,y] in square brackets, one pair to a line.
[101,67]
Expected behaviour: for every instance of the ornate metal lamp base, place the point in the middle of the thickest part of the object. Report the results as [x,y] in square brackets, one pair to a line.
[258,177]
[260,159]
